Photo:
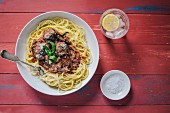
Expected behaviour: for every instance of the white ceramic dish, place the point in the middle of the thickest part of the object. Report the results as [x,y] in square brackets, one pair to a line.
[20,51]
[115,85]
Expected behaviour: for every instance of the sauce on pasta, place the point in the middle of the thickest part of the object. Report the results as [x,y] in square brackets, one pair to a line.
[59,46]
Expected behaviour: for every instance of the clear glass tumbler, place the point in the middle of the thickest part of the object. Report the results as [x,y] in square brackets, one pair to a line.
[122,28]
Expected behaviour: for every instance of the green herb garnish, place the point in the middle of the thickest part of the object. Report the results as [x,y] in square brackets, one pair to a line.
[51,52]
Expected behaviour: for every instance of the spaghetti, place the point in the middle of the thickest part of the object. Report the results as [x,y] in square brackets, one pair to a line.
[63,81]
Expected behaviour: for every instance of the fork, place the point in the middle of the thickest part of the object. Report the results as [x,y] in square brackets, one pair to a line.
[9,56]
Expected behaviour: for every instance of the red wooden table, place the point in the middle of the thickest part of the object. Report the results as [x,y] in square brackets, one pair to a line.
[144,54]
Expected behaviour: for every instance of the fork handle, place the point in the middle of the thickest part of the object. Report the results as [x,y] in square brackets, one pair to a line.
[9,56]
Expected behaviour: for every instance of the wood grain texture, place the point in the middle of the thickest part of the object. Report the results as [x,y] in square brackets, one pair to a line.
[144,54]
[132,59]
[85,6]
[145,90]
[144,29]
[84,109]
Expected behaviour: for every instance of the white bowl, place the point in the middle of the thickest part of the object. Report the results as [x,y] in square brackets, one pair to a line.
[115,85]
[20,51]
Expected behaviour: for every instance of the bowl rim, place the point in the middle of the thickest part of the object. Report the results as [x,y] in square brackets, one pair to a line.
[97,51]
[108,74]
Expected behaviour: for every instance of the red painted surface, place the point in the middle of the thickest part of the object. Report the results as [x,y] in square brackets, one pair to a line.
[144,29]
[144,54]
[84,109]
[85,6]
[132,59]
[145,90]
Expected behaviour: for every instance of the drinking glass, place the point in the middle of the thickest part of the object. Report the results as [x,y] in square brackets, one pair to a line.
[123,24]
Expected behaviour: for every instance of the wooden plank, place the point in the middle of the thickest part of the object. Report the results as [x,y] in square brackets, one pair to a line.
[145,90]
[86,6]
[8,66]
[85,109]
[132,59]
[144,29]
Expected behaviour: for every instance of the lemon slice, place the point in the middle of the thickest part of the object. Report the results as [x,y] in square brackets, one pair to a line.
[110,22]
